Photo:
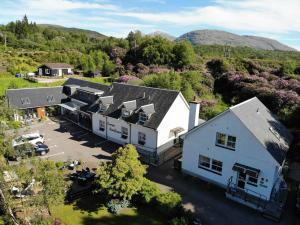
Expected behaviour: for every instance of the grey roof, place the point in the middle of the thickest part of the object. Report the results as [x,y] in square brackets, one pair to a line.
[84,83]
[91,90]
[265,126]
[34,97]
[161,98]
[57,65]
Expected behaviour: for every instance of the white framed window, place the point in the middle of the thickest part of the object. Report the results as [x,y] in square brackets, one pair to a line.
[226,141]
[216,165]
[212,165]
[50,98]
[47,71]
[221,139]
[141,138]
[125,113]
[102,107]
[101,125]
[124,132]
[231,140]
[143,117]
[204,161]
[25,101]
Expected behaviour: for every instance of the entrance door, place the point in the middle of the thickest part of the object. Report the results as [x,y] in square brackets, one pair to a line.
[241,180]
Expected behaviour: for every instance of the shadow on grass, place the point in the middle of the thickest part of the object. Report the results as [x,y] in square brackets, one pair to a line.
[90,203]
[143,216]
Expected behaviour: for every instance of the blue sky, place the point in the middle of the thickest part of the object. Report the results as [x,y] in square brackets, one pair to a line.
[276,19]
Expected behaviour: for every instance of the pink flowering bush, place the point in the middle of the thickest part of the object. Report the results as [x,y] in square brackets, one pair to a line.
[126,78]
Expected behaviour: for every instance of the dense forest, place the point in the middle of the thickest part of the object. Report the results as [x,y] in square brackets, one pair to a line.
[218,76]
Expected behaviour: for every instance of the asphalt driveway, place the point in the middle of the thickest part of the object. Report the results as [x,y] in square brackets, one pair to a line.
[67,142]
[210,203]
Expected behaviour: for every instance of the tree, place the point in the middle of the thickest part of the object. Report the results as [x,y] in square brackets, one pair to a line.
[109,68]
[187,91]
[288,68]
[122,177]
[149,191]
[184,55]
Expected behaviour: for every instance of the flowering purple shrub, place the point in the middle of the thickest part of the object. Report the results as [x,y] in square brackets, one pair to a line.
[126,78]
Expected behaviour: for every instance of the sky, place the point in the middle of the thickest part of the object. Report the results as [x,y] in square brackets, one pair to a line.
[277,19]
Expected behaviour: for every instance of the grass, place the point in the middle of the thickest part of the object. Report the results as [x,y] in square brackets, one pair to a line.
[9,81]
[88,214]
[12,82]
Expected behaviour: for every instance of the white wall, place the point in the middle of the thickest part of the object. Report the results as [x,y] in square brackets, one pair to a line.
[177,116]
[151,137]
[114,127]
[96,117]
[248,152]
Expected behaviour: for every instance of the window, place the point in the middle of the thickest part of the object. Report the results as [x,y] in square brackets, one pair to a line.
[141,138]
[50,98]
[221,138]
[252,180]
[102,107]
[226,141]
[212,165]
[204,161]
[216,165]
[101,125]
[47,71]
[231,142]
[125,113]
[25,101]
[142,118]
[124,132]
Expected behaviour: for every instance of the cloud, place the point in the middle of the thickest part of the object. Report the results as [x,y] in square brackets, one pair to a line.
[272,16]
[66,5]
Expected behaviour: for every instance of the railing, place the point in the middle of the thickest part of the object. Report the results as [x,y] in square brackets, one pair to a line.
[246,194]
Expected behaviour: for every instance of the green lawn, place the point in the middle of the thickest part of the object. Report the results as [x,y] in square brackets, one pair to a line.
[9,81]
[87,214]
[12,82]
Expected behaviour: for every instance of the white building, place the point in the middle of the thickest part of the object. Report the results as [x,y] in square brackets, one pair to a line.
[243,150]
[150,118]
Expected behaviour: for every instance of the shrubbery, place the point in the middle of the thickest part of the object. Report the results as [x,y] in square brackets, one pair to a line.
[149,191]
[168,203]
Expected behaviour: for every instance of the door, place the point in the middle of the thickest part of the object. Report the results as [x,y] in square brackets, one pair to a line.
[241,180]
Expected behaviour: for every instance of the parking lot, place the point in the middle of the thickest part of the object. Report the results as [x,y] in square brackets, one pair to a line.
[68,142]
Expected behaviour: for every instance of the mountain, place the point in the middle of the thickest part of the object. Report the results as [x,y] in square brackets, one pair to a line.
[163,34]
[89,33]
[217,37]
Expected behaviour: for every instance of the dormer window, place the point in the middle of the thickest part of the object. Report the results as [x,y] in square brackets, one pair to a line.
[143,117]
[50,98]
[102,107]
[25,101]
[105,102]
[125,113]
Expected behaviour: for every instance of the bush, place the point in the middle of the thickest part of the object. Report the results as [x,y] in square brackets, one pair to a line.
[149,191]
[114,206]
[168,203]
[178,221]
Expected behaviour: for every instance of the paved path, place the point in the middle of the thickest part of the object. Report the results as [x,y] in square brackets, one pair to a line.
[210,202]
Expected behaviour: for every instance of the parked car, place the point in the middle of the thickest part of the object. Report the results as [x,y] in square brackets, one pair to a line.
[33,138]
[83,177]
[29,150]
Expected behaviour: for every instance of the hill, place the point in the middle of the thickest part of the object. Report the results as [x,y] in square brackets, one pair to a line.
[217,37]
[162,34]
[89,33]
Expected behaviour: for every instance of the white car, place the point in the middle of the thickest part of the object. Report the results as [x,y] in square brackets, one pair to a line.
[33,138]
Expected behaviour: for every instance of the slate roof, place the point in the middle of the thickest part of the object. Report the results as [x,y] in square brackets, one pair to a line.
[35,97]
[84,83]
[258,119]
[161,98]
[58,65]
[265,126]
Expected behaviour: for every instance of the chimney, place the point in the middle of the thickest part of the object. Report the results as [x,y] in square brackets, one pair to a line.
[194,114]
